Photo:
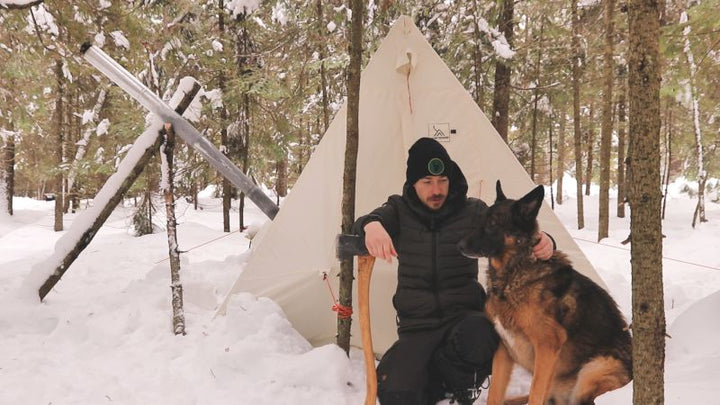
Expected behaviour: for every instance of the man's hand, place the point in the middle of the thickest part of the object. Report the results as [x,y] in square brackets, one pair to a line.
[543,250]
[378,242]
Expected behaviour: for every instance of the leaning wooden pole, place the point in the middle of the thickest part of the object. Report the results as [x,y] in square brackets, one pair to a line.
[168,189]
[88,234]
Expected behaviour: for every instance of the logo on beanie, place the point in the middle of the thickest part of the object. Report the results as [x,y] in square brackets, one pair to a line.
[436,166]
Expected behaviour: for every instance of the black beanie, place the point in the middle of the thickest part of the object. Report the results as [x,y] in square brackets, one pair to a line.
[427,158]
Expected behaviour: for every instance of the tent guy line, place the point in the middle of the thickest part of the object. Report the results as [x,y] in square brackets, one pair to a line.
[664,257]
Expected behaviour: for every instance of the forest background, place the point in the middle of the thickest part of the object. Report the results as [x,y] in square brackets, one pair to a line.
[274,73]
[553,76]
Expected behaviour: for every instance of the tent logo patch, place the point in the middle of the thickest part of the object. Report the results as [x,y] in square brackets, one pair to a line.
[439,131]
[436,166]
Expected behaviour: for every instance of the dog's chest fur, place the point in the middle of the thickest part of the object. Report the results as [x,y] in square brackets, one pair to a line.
[515,299]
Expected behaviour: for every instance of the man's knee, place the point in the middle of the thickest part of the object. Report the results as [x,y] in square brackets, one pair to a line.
[474,339]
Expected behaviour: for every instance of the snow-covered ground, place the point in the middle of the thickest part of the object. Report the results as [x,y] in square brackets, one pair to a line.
[104,334]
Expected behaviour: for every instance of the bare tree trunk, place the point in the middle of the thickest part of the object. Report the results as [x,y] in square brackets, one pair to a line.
[355,31]
[7,170]
[550,163]
[227,188]
[701,173]
[87,236]
[648,323]
[59,117]
[607,122]
[479,90]
[501,95]
[323,74]
[668,155]
[621,183]
[69,140]
[536,97]
[281,169]
[561,150]
[168,171]
[85,140]
[245,128]
[590,140]
[576,112]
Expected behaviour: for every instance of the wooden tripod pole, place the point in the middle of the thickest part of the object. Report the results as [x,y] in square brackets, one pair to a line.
[365,267]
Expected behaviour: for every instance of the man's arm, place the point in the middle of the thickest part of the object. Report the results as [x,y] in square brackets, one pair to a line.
[376,228]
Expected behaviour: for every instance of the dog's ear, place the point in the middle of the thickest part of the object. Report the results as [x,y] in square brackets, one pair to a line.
[499,192]
[529,206]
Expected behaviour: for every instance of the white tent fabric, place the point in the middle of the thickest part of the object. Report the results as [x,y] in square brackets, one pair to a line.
[406,92]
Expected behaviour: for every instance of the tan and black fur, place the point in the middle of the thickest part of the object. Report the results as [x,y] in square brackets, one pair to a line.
[553,321]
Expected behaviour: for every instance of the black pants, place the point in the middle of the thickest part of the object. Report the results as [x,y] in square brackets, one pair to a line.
[421,366]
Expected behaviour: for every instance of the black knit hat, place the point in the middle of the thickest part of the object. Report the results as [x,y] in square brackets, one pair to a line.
[427,158]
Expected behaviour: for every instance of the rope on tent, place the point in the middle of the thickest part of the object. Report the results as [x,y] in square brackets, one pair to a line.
[343,311]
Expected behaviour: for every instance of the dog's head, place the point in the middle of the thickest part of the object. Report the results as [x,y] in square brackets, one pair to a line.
[507,224]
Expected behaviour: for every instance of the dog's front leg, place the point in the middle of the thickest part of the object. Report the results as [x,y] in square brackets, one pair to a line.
[501,370]
[547,345]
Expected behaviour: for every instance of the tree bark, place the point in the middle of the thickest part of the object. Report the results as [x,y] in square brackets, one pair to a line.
[701,173]
[536,97]
[550,163]
[166,151]
[59,118]
[501,95]
[590,143]
[281,170]
[227,189]
[607,122]
[245,127]
[323,73]
[355,31]
[479,90]
[576,73]
[85,140]
[668,155]
[8,170]
[561,150]
[621,183]
[648,323]
[105,212]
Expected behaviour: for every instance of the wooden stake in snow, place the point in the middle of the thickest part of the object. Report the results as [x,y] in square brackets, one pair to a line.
[166,153]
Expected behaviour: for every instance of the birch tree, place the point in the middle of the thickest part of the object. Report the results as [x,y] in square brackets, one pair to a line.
[692,90]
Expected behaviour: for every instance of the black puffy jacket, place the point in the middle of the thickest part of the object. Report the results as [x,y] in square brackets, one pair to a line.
[436,283]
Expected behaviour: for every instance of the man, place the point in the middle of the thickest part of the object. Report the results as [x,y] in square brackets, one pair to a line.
[445,343]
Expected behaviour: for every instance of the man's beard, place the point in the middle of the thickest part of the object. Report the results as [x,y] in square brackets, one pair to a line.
[435,202]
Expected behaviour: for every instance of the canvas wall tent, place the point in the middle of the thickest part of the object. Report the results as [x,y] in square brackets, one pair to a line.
[406,92]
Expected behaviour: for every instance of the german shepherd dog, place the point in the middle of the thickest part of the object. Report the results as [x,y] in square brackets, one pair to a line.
[552,320]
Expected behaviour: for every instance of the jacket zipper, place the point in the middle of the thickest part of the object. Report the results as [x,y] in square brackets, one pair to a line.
[436,276]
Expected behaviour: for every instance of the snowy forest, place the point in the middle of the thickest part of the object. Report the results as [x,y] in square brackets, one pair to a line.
[554,77]
[273,75]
